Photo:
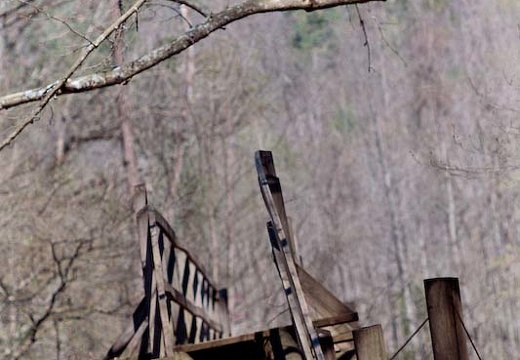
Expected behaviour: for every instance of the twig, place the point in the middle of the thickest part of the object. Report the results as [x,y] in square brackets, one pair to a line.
[487,99]
[12,16]
[11,11]
[30,336]
[388,44]
[53,89]
[192,6]
[52,17]
[367,44]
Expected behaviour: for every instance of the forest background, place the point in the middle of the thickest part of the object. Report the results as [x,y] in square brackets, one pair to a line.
[394,128]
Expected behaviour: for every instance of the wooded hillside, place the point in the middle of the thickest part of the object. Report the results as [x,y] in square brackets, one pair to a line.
[394,126]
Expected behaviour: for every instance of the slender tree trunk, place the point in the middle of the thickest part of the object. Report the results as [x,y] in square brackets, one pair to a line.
[190,61]
[396,234]
[452,223]
[227,150]
[180,149]
[123,108]
[61,133]
[452,244]
[207,151]
[453,241]
[61,126]
[503,277]
[11,311]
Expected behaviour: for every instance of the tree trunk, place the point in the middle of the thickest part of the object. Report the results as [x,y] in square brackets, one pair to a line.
[123,109]
[396,234]
[227,150]
[11,311]
[452,245]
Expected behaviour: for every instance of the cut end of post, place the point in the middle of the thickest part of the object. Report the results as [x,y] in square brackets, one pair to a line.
[370,343]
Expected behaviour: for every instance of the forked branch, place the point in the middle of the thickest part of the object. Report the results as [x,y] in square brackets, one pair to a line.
[122,74]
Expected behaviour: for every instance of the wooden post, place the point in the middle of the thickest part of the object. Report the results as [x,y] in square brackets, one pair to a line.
[327,344]
[224,312]
[370,343]
[445,317]
[140,197]
[294,242]
[273,199]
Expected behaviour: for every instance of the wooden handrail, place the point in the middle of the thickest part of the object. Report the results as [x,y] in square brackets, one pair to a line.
[172,237]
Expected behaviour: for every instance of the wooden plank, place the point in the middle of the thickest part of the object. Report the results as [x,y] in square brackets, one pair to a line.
[189,318]
[174,356]
[190,294]
[345,337]
[198,329]
[278,230]
[223,311]
[304,334]
[369,343]
[295,249]
[175,308]
[197,285]
[142,232]
[327,344]
[167,256]
[153,342]
[321,300]
[335,320]
[445,317]
[218,343]
[180,266]
[140,199]
[143,228]
[167,327]
[266,160]
[176,296]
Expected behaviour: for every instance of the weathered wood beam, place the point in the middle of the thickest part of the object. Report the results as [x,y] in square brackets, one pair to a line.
[369,343]
[444,308]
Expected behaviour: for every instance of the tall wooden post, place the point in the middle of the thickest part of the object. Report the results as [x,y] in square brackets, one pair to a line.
[370,343]
[445,317]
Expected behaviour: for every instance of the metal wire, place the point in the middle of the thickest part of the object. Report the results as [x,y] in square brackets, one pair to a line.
[469,336]
[409,339]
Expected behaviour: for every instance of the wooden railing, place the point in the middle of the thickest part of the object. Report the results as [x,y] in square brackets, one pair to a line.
[181,304]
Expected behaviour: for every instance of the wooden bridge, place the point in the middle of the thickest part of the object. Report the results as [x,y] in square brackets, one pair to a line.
[184,314]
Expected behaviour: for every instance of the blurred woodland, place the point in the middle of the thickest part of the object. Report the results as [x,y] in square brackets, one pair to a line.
[395,130]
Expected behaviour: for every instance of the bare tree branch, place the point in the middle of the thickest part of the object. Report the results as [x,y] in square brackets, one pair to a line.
[19,13]
[122,74]
[63,276]
[54,89]
[367,44]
